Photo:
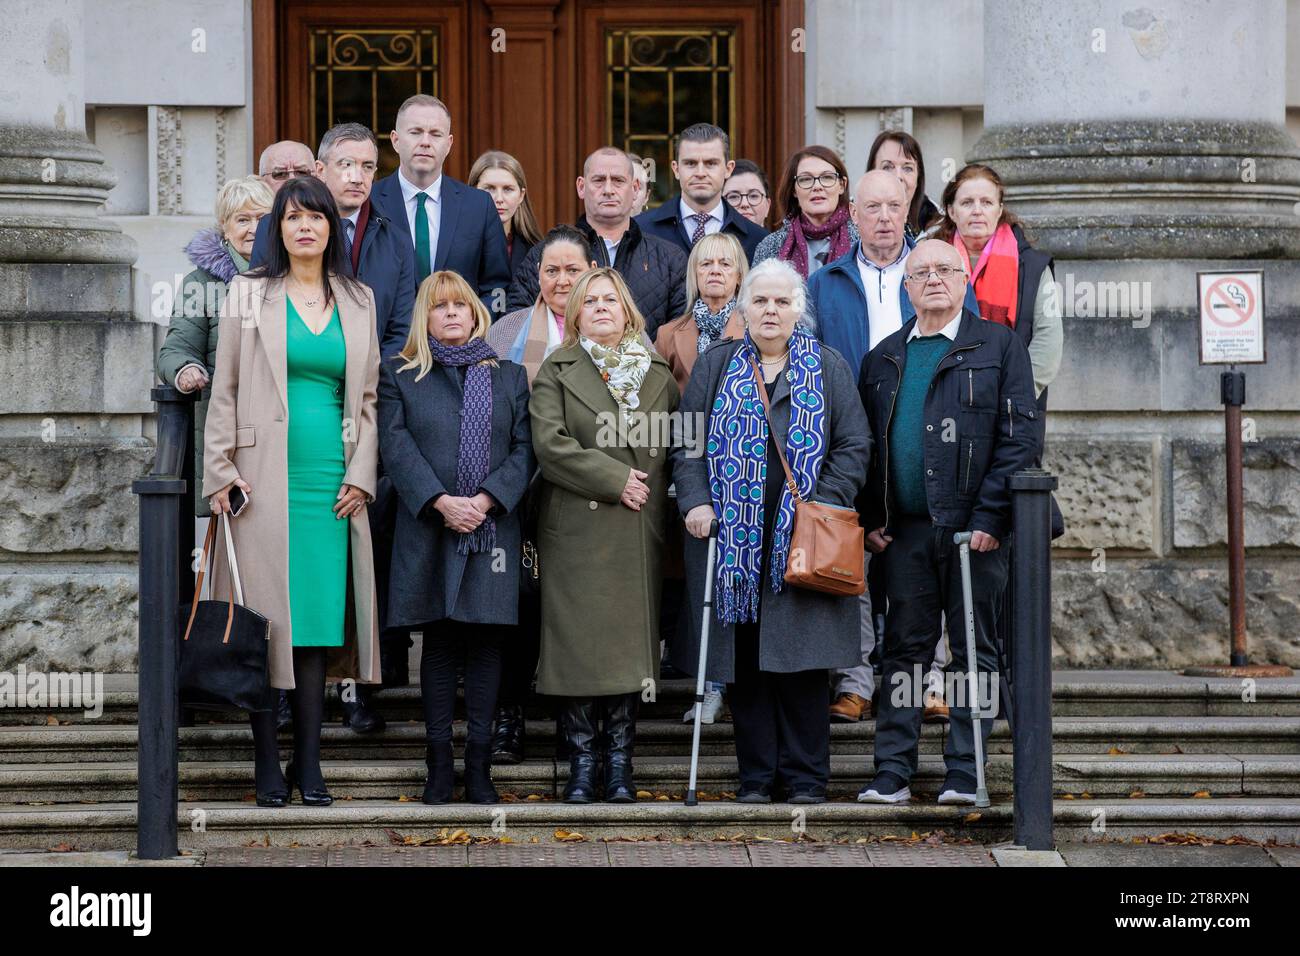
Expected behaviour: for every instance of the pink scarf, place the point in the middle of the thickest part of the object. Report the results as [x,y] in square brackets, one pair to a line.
[996,276]
[794,249]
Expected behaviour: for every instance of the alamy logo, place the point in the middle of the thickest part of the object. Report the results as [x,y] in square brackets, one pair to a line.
[74,909]
[21,688]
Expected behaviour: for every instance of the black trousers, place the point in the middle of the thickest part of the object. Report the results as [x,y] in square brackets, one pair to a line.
[446,644]
[519,653]
[783,735]
[923,581]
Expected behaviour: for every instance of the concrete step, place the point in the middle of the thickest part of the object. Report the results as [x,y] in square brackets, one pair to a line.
[1082,775]
[111,826]
[92,743]
[1074,694]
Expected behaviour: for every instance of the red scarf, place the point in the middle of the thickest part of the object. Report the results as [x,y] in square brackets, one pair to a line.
[794,249]
[996,276]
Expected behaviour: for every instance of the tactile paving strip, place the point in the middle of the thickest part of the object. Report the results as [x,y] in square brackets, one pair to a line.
[677,854]
[909,854]
[538,854]
[806,854]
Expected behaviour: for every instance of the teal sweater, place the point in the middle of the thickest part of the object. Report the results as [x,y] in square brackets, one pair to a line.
[907,431]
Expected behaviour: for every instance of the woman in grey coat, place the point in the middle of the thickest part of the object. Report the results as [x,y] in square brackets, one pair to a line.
[455,436]
[772,643]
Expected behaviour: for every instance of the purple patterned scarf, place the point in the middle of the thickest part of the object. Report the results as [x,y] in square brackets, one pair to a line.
[794,249]
[474,455]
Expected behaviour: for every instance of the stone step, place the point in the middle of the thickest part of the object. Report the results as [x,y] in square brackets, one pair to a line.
[1074,694]
[1082,775]
[93,743]
[205,825]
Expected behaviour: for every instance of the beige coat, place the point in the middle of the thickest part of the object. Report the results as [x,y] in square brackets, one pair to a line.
[247,436]
[678,342]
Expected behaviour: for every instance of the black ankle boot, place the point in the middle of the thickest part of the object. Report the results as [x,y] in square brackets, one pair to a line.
[360,716]
[508,738]
[442,773]
[579,720]
[478,773]
[620,729]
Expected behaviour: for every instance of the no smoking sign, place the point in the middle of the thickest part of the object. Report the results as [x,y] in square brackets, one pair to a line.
[1232,317]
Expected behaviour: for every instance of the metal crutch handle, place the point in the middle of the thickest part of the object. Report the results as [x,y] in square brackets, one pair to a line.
[963,539]
[707,617]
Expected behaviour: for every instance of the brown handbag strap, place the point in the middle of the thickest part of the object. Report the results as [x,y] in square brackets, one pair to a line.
[767,411]
[204,568]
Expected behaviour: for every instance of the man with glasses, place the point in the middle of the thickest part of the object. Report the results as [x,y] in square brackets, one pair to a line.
[748,191]
[284,160]
[702,165]
[449,225]
[950,400]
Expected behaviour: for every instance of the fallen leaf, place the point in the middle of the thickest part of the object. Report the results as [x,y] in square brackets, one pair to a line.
[1067,796]
[1115,751]
[51,721]
[565,836]
[971,817]
[644,795]
[1136,795]
[1201,795]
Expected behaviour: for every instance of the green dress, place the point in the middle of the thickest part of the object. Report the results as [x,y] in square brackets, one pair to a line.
[318,541]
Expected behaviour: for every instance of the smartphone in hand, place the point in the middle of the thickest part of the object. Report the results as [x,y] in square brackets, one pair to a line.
[238,501]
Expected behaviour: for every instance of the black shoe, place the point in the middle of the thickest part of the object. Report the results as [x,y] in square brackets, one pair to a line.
[508,737]
[579,722]
[754,795]
[358,715]
[958,788]
[442,773]
[478,773]
[395,661]
[277,796]
[283,712]
[316,797]
[620,731]
[807,795]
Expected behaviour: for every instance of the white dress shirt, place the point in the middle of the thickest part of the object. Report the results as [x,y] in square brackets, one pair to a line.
[884,302]
[687,215]
[432,209]
[949,331]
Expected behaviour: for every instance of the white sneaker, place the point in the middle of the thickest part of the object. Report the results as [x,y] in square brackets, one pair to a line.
[709,712]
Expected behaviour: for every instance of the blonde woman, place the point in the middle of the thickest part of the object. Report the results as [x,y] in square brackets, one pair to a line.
[716,268]
[603,504]
[454,438]
[501,176]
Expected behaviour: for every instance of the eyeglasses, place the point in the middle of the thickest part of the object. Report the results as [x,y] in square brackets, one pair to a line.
[826,180]
[943,272]
[753,197]
[280,175]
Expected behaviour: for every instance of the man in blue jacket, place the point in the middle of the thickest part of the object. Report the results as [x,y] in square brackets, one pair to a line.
[346,163]
[702,166]
[447,224]
[950,401]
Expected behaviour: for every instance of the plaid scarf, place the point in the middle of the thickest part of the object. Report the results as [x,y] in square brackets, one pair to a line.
[709,323]
[737,449]
[474,455]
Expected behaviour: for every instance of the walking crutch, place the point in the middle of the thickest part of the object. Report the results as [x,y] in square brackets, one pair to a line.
[962,540]
[704,659]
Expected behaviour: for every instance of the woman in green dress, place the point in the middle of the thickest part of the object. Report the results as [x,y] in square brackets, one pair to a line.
[292,424]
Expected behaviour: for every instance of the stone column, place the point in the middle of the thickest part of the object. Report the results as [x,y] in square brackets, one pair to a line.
[76,366]
[1139,144]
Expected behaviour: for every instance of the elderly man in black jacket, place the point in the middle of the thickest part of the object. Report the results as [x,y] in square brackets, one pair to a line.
[950,399]
[654,269]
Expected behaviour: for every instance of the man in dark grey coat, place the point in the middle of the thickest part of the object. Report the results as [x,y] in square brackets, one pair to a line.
[950,398]
[654,269]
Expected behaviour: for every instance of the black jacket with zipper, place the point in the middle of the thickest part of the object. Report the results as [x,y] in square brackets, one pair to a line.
[981,424]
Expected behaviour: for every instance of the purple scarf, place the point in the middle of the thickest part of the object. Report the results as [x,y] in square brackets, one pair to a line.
[794,249]
[474,455]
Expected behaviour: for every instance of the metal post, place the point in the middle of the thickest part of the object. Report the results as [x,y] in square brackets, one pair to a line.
[163,578]
[1031,492]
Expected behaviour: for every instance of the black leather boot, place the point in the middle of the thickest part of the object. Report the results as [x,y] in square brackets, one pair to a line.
[508,737]
[442,773]
[283,712]
[478,773]
[359,716]
[620,730]
[580,738]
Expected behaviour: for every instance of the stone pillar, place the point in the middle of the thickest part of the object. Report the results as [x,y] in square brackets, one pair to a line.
[76,367]
[1140,144]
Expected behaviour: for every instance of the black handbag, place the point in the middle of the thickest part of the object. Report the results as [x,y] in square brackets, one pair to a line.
[530,571]
[225,645]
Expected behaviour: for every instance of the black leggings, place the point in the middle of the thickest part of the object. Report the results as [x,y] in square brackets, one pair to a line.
[446,644]
[308,702]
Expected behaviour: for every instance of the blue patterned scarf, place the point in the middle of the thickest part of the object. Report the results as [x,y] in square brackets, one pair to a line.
[737,448]
[474,455]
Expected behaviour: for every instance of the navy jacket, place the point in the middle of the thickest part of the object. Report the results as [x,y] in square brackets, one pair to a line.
[387,266]
[838,302]
[664,223]
[981,425]
[470,238]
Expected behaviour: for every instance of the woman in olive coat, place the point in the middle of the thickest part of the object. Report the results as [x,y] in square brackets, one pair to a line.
[600,412]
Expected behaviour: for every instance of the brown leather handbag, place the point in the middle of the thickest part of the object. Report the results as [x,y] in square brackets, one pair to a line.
[826,541]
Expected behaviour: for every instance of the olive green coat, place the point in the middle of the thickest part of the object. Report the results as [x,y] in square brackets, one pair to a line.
[600,561]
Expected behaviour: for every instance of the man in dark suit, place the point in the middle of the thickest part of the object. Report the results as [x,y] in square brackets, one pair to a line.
[346,163]
[702,166]
[448,225]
